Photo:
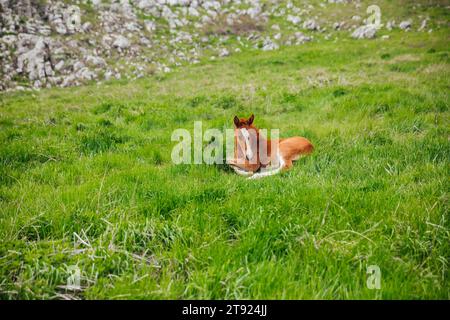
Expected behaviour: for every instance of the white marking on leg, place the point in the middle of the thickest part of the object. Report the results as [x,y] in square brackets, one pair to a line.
[270,172]
[242,172]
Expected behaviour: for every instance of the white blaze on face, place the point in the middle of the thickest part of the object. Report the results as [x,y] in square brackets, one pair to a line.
[246,135]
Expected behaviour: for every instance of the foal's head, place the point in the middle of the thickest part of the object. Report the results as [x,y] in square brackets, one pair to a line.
[246,138]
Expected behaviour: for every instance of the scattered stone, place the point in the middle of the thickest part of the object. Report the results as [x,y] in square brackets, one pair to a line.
[108,75]
[301,38]
[87,26]
[276,27]
[150,26]
[268,45]
[365,32]
[96,61]
[78,66]
[338,25]
[310,24]
[224,52]
[121,43]
[293,19]
[59,65]
[405,25]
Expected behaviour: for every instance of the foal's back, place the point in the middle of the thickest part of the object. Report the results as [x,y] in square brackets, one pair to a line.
[292,148]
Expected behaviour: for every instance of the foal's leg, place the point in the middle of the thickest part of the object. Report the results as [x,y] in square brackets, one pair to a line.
[281,166]
[288,164]
[242,172]
[266,173]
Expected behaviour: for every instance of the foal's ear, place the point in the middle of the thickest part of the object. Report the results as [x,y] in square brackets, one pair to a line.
[236,121]
[250,120]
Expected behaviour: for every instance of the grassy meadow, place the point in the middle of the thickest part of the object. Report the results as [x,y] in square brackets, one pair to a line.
[86,180]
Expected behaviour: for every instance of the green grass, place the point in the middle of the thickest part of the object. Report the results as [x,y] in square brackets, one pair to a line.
[86,179]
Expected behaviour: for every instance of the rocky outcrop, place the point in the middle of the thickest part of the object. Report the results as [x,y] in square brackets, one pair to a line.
[34,57]
[47,43]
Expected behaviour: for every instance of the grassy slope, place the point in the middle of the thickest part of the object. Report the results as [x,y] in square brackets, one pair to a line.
[93,163]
